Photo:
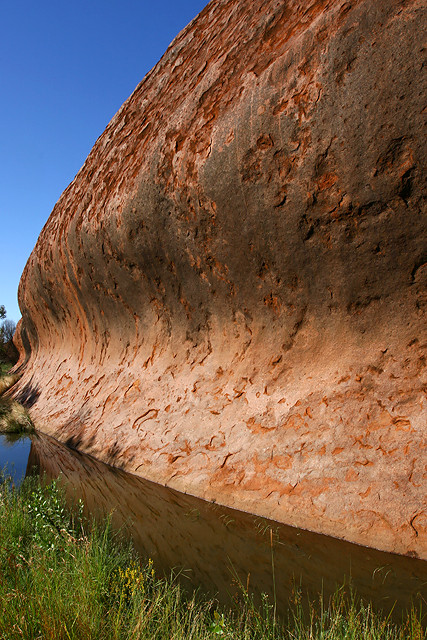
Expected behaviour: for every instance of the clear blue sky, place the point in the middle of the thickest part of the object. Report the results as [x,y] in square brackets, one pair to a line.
[65,69]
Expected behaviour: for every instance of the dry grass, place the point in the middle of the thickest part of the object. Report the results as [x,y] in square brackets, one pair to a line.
[7,381]
[14,417]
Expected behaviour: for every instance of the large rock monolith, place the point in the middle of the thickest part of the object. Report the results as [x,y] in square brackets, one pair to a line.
[230,297]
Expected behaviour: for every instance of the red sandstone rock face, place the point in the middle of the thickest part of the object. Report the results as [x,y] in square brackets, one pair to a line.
[230,297]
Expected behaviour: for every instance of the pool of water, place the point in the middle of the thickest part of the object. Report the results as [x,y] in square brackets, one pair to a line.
[214,547]
[14,452]
[221,549]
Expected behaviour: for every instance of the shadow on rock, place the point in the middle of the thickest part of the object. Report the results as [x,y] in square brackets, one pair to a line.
[28,395]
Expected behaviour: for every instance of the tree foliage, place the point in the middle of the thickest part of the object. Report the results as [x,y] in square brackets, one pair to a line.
[8,351]
[7,330]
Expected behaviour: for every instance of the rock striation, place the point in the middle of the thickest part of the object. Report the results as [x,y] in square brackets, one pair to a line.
[230,297]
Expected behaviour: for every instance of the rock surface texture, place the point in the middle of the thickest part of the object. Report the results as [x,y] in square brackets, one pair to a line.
[230,297]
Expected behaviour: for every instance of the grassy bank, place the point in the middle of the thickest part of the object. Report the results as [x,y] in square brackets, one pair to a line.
[62,577]
[14,417]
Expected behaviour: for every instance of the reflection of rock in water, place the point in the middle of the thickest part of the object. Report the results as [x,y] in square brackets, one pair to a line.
[210,542]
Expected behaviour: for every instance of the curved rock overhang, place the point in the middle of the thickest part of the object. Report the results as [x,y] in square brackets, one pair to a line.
[230,296]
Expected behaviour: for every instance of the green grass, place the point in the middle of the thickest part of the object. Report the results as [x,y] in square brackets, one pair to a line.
[63,577]
[5,367]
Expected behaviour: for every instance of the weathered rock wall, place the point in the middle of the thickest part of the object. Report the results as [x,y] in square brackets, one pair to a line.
[230,296]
